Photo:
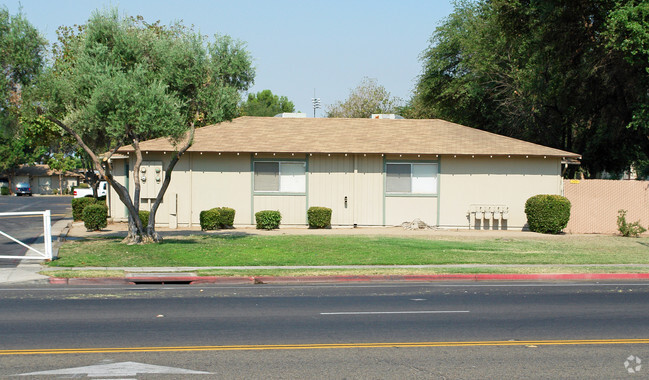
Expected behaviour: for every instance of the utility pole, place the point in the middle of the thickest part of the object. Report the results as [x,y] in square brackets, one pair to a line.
[316,102]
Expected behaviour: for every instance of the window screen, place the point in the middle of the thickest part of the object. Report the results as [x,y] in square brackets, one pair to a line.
[398,178]
[286,177]
[266,176]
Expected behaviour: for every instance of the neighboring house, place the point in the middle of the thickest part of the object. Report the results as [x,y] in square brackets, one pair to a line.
[42,179]
[369,172]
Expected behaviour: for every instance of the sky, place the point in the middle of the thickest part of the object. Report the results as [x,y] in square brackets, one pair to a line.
[297,47]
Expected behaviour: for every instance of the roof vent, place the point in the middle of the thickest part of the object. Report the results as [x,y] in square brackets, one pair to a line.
[289,114]
[386,116]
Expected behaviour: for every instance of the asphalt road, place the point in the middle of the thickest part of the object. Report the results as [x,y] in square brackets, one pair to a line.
[477,330]
[28,228]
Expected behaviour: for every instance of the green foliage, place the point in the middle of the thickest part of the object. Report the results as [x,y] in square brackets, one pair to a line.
[216,218]
[209,219]
[226,217]
[95,216]
[268,219]
[548,214]
[144,217]
[83,185]
[21,61]
[628,229]
[319,217]
[367,98]
[4,190]
[265,103]
[572,75]
[79,204]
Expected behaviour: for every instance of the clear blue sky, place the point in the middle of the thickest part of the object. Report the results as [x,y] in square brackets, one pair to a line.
[297,46]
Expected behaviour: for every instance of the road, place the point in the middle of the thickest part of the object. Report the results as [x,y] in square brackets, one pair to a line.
[473,330]
[28,228]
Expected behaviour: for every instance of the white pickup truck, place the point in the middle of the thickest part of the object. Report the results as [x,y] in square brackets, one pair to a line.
[102,191]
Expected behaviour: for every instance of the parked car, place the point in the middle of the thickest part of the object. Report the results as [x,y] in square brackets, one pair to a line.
[23,188]
[102,191]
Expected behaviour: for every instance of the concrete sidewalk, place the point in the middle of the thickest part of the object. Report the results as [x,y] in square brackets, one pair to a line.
[27,270]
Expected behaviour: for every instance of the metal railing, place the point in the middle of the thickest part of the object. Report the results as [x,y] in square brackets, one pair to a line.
[47,237]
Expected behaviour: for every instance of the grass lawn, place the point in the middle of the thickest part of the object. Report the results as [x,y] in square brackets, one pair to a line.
[251,250]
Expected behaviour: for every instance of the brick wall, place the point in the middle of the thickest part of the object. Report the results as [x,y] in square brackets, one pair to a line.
[595,204]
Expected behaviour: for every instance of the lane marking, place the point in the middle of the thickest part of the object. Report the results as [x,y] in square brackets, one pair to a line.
[56,351]
[395,312]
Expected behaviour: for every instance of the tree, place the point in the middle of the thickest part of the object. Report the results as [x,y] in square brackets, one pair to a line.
[119,81]
[367,98]
[264,103]
[563,74]
[22,51]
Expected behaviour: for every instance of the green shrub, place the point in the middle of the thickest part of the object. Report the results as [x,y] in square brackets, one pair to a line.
[226,218]
[209,219]
[628,229]
[144,217]
[79,204]
[95,216]
[268,219]
[4,190]
[83,185]
[548,214]
[319,217]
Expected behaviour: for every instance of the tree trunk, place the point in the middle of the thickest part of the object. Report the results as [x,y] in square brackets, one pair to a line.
[151,233]
[135,229]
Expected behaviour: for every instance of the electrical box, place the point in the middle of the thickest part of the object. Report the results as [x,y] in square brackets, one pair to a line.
[151,177]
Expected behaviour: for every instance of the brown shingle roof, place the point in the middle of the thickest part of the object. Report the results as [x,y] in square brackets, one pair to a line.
[328,135]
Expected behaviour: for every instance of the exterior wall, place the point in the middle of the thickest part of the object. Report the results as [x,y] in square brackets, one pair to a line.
[595,204]
[407,209]
[469,181]
[355,178]
[292,207]
[204,181]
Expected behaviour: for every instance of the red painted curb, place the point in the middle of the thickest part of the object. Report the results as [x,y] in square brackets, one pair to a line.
[358,278]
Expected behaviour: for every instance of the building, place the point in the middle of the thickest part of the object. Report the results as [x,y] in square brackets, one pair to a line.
[370,172]
[42,179]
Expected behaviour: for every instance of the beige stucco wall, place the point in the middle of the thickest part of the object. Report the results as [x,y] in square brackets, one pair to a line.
[407,209]
[203,181]
[359,178]
[503,181]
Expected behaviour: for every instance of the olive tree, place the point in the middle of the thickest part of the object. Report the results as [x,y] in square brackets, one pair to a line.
[118,81]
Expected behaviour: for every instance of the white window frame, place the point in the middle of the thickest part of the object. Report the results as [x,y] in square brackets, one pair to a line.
[287,183]
[415,187]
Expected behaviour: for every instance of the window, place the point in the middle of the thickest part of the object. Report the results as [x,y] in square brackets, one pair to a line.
[284,177]
[411,178]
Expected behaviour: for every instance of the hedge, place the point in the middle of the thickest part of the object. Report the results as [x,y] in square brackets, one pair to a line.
[144,217]
[319,217]
[4,190]
[548,214]
[209,219]
[95,216]
[79,204]
[268,219]
[216,218]
[226,219]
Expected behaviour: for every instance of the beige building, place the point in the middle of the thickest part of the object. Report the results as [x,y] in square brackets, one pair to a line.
[370,172]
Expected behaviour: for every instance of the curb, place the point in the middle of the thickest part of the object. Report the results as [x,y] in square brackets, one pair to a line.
[191,280]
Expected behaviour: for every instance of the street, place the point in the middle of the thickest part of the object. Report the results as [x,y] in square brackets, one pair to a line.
[434,330]
[28,228]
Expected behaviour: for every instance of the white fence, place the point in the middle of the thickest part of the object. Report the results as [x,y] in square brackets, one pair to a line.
[47,237]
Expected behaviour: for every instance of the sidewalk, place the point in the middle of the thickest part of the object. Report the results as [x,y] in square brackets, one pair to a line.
[27,270]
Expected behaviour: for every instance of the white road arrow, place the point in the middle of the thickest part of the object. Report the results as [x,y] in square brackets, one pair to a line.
[116,369]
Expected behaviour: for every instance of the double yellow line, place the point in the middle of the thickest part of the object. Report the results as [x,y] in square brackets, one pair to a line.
[57,351]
